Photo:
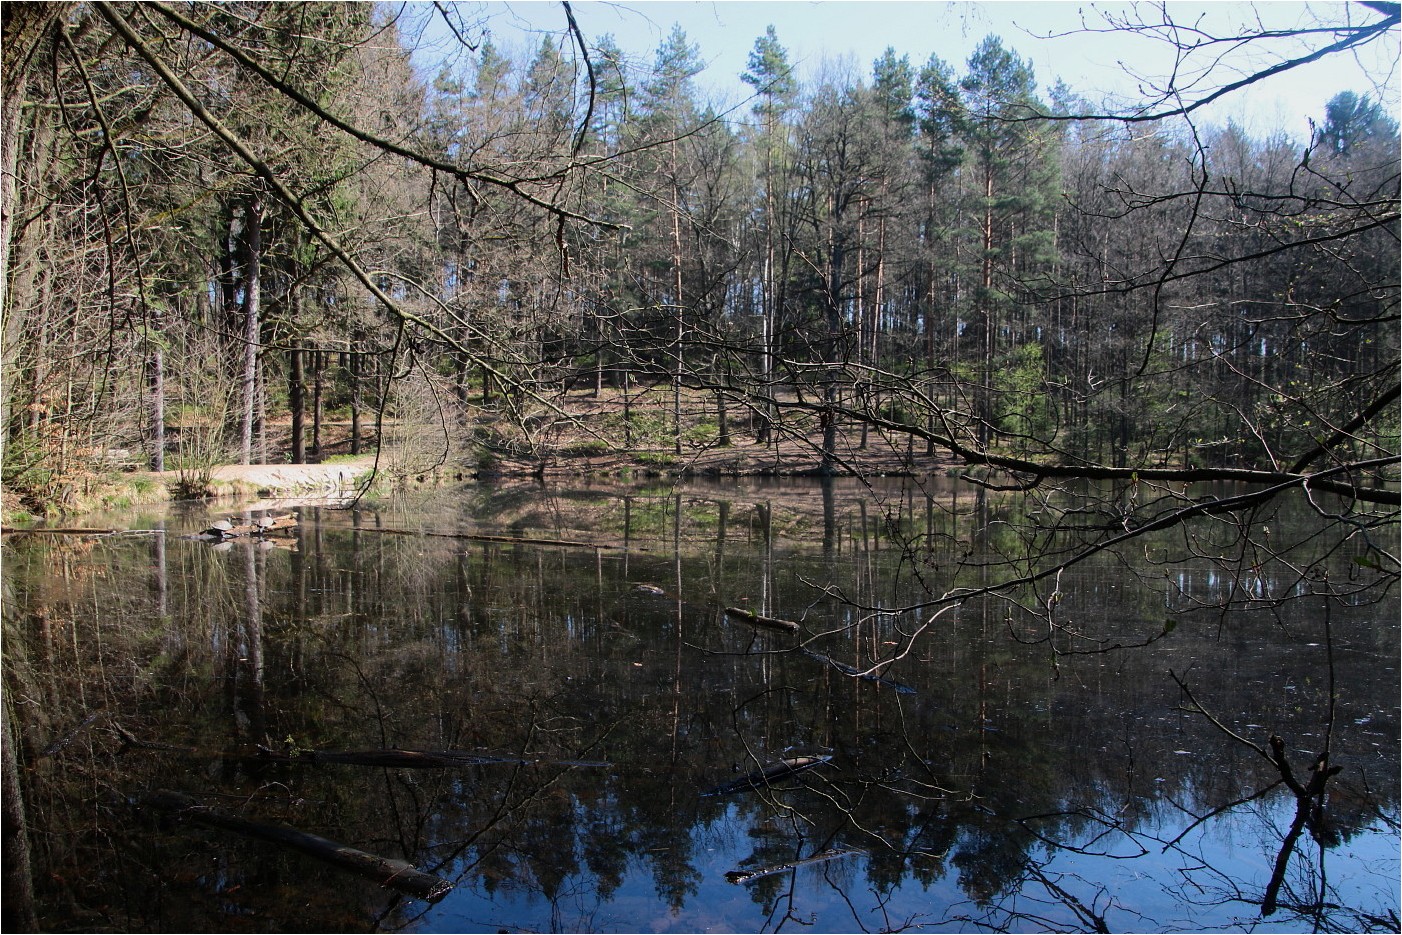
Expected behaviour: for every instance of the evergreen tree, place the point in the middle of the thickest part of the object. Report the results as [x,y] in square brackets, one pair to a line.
[1351,122]
[1012,165]
[770,74]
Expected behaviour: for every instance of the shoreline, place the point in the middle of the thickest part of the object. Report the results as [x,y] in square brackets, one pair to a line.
[789,458]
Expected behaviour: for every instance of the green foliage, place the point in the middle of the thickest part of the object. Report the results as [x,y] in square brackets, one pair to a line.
[1023,408]
[701,433]
[769,73]
[893,87]
[920,225]
[1352,121]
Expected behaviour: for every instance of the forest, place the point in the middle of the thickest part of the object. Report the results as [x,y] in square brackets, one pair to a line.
[228,226]
[1135,370]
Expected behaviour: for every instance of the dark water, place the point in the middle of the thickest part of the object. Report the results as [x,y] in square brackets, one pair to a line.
[993,780]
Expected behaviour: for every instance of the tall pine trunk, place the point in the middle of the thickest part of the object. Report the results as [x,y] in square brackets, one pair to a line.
[828,464]
[318,367]
[156,383]
[354,362]
[296,402]
[677,298]
[985,387]
[252,287]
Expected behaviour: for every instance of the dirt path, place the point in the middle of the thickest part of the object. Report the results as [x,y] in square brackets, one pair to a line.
[287,478]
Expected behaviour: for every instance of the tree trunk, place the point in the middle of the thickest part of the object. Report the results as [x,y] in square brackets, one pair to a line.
[677,298]
[930,345]
[296,402]
[156,377]
[318,367]
[722,421]
[18,913]
[461,363]
[27,29]
[834,325]
[252,287]
[860,312]
[627,413]
[354,369]
[985,388]
[767,290]
[385,871]
[260,414]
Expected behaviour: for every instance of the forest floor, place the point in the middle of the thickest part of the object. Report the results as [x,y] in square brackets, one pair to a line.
[790,456]
[586,440]
[591,441]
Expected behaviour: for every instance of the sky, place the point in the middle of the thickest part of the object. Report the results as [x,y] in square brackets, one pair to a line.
[1045,33]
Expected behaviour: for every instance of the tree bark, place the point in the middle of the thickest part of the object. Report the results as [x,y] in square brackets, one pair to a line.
[26,30]
[156,376]
[17,914]
[318,368]
[296,401]
[677,298]
[985,388]
[834,325]
[353,361]
[252,287]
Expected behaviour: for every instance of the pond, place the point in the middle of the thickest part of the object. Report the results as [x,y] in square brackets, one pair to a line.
[596,711]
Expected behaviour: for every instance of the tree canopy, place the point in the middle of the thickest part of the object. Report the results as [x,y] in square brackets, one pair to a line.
[261,203]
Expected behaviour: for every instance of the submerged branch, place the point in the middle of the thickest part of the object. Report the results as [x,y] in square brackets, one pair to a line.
[746,876]
[387,871]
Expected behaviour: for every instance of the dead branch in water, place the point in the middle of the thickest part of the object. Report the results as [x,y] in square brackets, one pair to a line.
[386,871]
[745,876]
[760,620]
[482,537]
[390,758]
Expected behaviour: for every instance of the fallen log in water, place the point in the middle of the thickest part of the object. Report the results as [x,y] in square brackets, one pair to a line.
[745,876]
[58,531]
[262,526]
[751,617]
[769,775]
[60,743]
[414,759]
[386,871]
[853,671]
[508,540]
[393,758]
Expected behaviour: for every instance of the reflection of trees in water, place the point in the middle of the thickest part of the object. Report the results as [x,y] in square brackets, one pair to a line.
[1008,762]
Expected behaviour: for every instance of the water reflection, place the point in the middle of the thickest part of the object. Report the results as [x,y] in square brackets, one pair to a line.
[1001,786]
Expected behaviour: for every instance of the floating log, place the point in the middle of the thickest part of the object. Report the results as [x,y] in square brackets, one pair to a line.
[414,759]
[262,526]
[59,744]
[59,531]
[386,871]
[854,672]
[770,774]
[392,758]
[745,876]
[483,537]
[760,620]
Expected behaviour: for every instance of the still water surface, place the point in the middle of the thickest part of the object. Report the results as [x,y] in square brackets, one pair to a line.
[984,782]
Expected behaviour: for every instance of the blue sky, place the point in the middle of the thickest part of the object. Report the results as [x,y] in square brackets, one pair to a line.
[859,30]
